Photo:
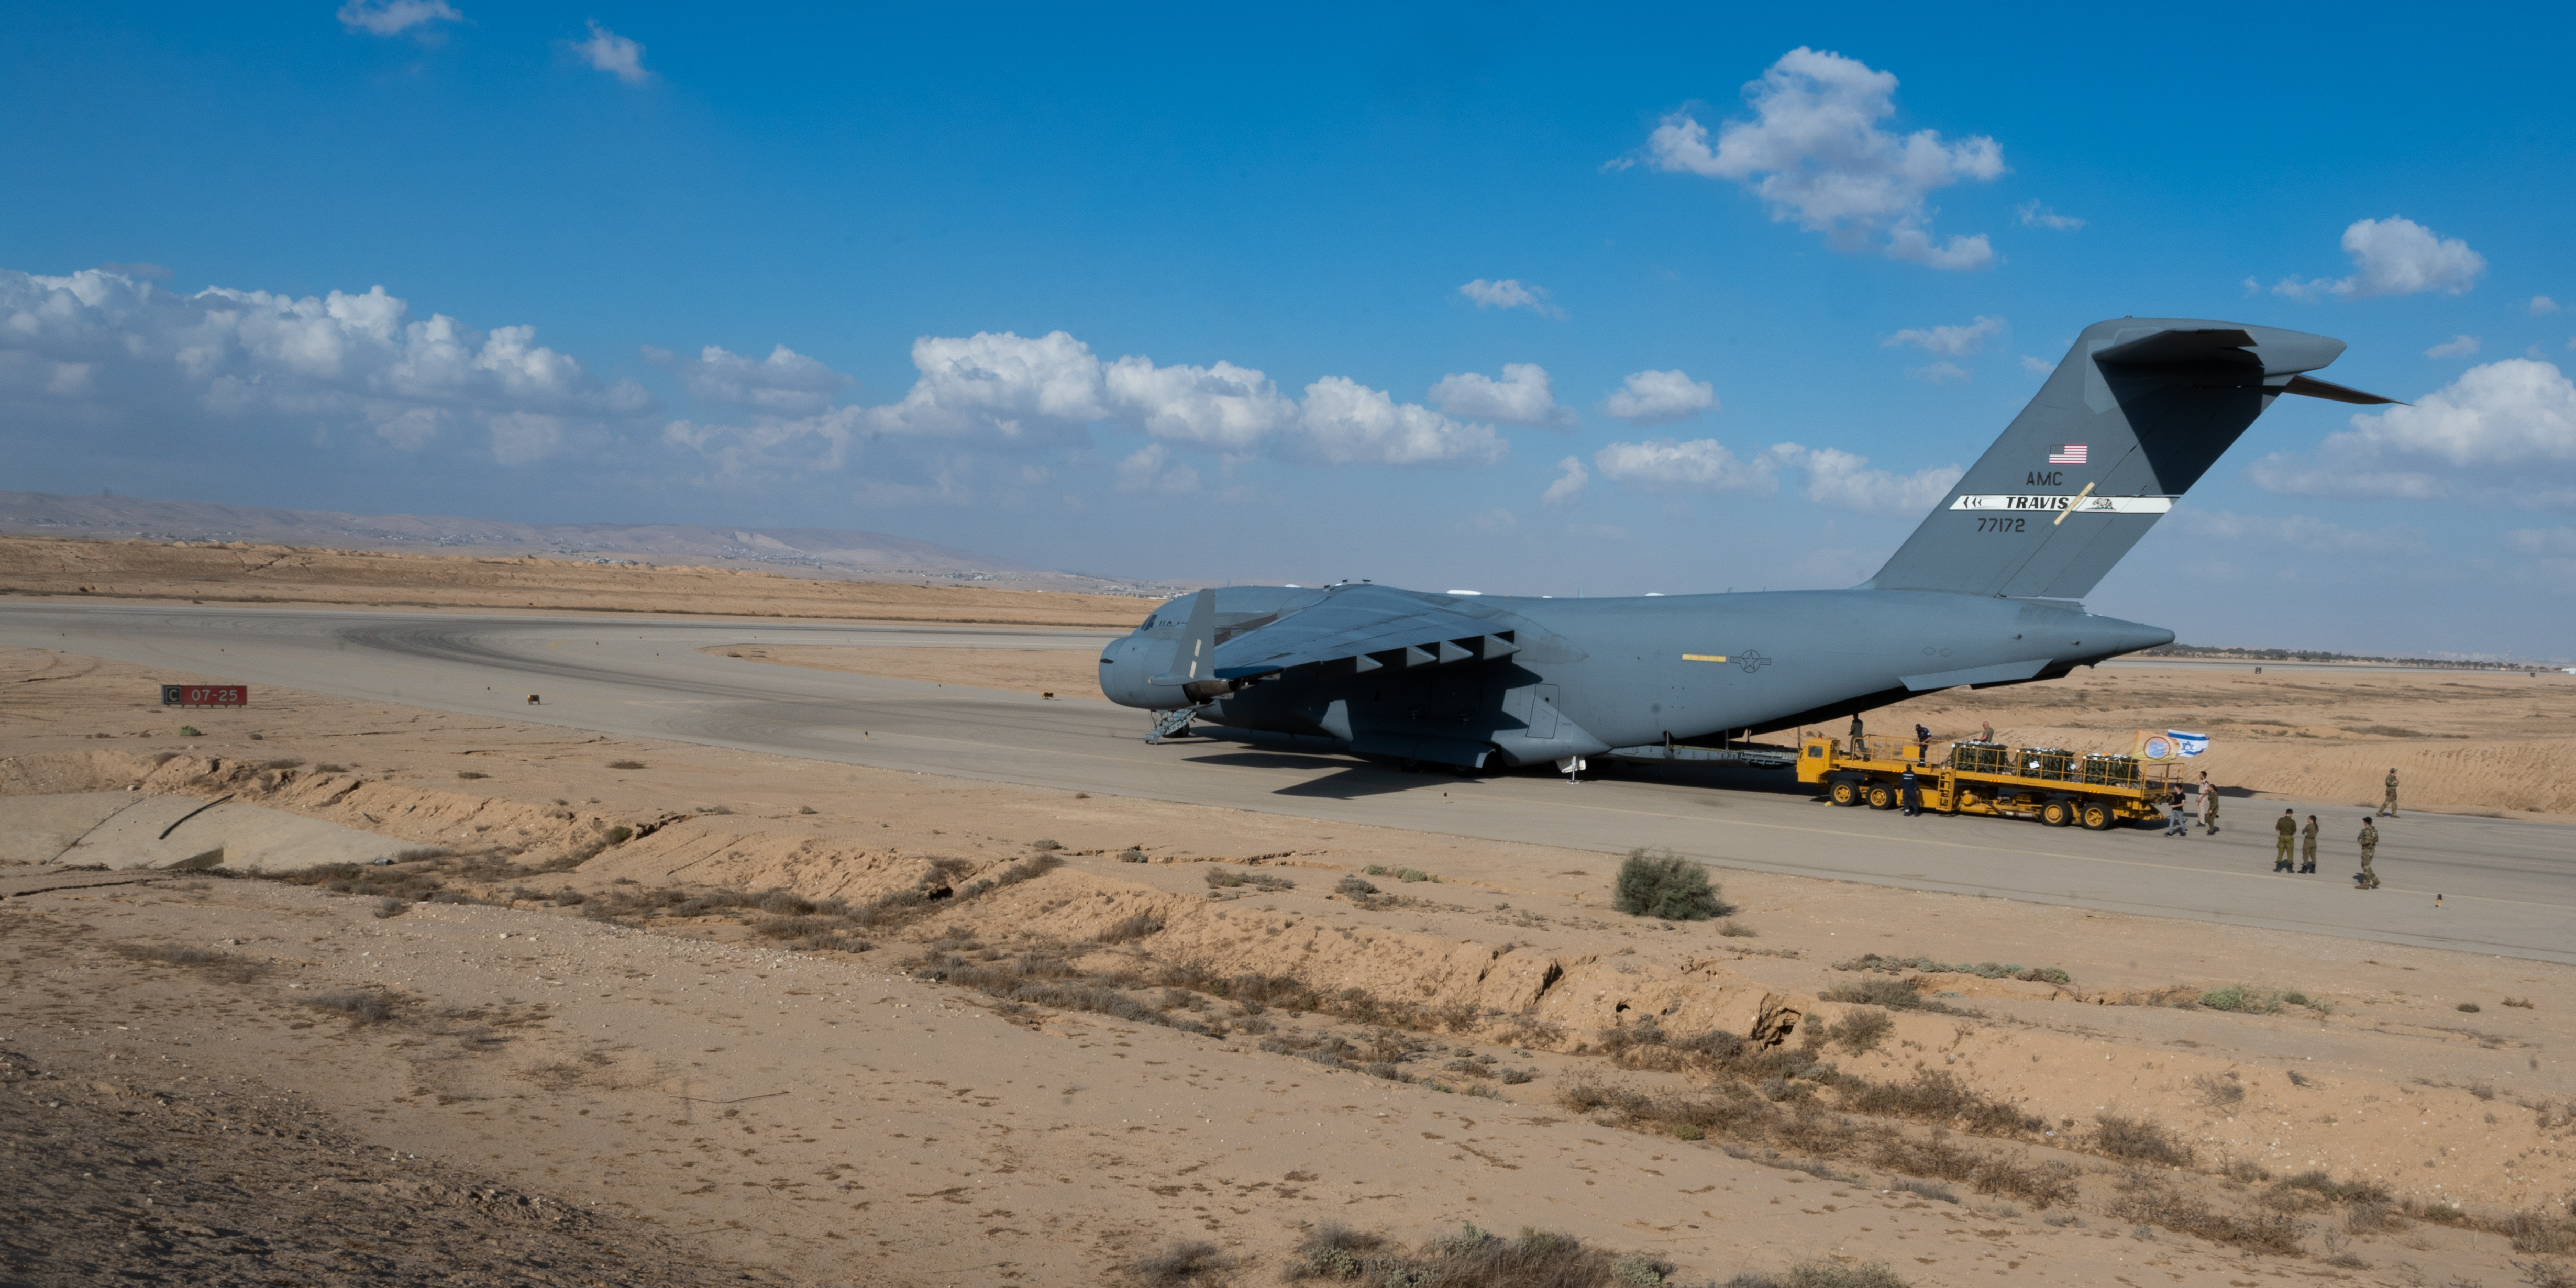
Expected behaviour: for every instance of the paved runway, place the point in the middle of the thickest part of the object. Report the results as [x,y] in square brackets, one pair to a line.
[2507,884]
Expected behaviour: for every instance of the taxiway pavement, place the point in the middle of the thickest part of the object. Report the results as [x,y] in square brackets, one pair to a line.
[2508,886]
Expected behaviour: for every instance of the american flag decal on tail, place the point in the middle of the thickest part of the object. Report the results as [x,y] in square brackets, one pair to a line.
[2070,454]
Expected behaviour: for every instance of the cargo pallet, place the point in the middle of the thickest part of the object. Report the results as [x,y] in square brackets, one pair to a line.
[2056,786]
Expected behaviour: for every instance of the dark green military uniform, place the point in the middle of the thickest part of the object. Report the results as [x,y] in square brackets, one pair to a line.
[2308,845]
[2288,828]
[2389,806]
[2369,880]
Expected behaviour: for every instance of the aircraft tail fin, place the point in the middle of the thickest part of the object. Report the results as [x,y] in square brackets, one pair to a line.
[2137,411]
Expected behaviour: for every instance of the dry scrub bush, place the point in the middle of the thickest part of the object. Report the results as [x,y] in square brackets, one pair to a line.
[1184,1262]
[221,965]
[1128,929]
[1860,1031]
[1665,886]
[2138,1140]
[1473,1258]
[2534,1230]
[2219,1090]
[1262,881]
[360,1005]
[2149,1200]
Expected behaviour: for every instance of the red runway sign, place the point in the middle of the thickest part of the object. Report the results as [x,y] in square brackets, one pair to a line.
[205,695]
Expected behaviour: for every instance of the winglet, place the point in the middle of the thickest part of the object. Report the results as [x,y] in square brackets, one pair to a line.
[2314,388]
[1195,659]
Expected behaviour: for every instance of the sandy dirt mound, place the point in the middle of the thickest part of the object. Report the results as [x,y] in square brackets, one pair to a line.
[222,573]
[125,1174]
[1065,673]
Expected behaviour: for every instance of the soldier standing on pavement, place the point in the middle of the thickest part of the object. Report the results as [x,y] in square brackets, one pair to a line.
[2288,827]
[2367,879]
[2208,804]
[2388,807]
[2308,846]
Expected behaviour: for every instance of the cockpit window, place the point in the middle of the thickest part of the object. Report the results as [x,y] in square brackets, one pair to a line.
[1149,622]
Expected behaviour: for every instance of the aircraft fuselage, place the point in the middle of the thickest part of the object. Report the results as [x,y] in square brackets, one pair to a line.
[1594,674]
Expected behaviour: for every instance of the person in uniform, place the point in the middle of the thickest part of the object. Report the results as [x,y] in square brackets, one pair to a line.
[2388,807]
[1922,745]
[2308,846]
[1909,793]
[2367,879]
[2208,804]
[2288,828]
[1986,731]
[1859,748]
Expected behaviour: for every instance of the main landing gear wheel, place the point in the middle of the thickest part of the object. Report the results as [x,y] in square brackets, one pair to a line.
[2057,813]
[2096,816]
[1882,796]
[1845,793]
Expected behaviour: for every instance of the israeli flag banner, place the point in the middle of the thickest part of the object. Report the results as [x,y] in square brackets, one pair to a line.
[2189,744]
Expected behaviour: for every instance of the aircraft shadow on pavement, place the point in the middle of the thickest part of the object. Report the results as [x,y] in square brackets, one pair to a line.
[1361,780]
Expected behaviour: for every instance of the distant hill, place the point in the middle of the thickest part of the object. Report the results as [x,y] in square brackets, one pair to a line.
[817,552]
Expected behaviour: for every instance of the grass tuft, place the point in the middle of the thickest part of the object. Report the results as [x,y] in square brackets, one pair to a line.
[360,1005]
[1187,1261]
[2138,1140]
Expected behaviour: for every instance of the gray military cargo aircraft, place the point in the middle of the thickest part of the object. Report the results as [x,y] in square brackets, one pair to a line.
[1986,592]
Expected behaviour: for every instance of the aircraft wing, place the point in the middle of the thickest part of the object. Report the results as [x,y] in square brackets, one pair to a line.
[1365,627]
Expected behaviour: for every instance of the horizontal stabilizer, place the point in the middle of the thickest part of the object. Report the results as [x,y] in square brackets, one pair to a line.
[2226,344]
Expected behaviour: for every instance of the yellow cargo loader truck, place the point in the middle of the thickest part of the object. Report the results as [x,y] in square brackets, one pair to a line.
[2055,786]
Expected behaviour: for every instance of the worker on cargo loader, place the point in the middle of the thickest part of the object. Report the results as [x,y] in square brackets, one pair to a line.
[1922,745]
[2367,879]
[2308,846]
[1860,750]
[2288,828]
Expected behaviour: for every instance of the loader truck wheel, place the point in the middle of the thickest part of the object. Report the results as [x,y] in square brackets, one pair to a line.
[1845,793]
[2057,813]
[1882,796]
[2096,816]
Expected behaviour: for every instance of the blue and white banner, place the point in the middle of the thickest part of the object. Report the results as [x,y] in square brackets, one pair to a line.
[2189,744]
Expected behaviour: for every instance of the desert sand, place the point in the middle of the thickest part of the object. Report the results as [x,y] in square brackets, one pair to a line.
[236,573]
[837,1024]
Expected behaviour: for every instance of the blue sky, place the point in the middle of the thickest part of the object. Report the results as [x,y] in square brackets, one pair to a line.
[1181,294]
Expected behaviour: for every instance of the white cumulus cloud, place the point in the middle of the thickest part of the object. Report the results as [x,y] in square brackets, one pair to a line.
[1346,422]
[1151,472]
[393,17]
[784,383]
[1511,293]
[1524,396]
[1839,478]
[1940,373]
[2542,306]
[1700,465]
[1226,407]
[2395,256]
[1954,341]
[1833,477]
[1815,152]
[2504,431]
[1568,484]
[2034,215]
[614,54]
[2458,346]
[115,350]
[1660,398]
